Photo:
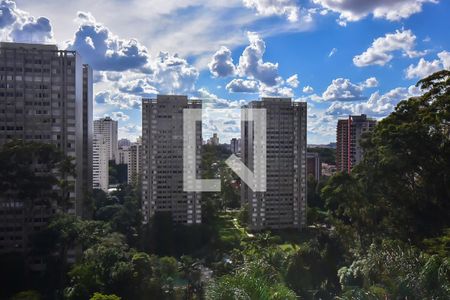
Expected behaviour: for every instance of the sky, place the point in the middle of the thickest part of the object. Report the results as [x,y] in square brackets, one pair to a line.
[341,57]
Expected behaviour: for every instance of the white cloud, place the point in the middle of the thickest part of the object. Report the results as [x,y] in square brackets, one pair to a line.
[221,64]
[425,68]
[275,91]
[377,105]
[308,89]
[355,10]
[251,62]
[444,56]
[380,52]
[293,81]
[342,89]
[100,48]
[239,85]
[117,99]
[18,26]
[332,52]
[118,115]
[288,8]
[371,82]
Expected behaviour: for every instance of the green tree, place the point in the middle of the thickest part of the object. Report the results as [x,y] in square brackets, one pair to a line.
[255,280]
[98,296]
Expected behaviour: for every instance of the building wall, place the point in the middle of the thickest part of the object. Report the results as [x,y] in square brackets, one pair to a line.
[283,205]
[100,169]
[162,159]
[313,165]
[134,163]
[42,99]
[349,134]
[108,128]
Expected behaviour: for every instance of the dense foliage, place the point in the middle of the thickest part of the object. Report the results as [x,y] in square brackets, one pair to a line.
[381,232]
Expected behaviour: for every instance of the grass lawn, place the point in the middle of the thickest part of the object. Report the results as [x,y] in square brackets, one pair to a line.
[229,235]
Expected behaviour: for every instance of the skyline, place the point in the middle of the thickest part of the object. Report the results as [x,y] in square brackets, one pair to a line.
[242,50]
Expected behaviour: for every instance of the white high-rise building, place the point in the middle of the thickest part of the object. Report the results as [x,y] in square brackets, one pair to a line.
[283,205]
[108,128]
[100,169]
[123,155]
[45,96]
[162,159]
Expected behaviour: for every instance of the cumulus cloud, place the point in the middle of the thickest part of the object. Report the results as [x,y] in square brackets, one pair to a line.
[342,89]
[171,74]
[221,64]
[293,81]
[355,10]
[275,91]
[444,56]
[118,115]
[238,85]
[380,52]
[371,82]
[251,62]
[308,89]
[120,100]
[103,50]
[378,105]
[288,8]
[425,67]
[18,26]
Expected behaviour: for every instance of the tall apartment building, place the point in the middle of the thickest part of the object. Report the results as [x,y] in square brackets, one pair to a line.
[123,155]
[45,96]
[108,128]
[313,165]
[134,163]
[100,170]
[214,140]
[235,145]
[162,159]
[283,205]
[348,137]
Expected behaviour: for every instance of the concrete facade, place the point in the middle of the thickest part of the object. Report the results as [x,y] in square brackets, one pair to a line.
[283,205]
[162,159]
[349,133]
[45,96]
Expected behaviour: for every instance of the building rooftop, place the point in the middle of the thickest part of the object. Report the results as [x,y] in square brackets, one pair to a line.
[9,45]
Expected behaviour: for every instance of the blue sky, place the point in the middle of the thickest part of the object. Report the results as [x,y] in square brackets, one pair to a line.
[342,57]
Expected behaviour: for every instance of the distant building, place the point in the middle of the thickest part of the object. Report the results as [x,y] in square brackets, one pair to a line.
[123,155]
[214,140]
[348,137]
[107,127]
[134,163]
[162,159]
[100,169]
[328,170]
[45,96]
[123,143]
[235,145]
[313,165]
[283,205]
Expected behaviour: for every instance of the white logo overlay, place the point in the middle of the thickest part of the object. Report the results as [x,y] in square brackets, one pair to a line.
[255,180]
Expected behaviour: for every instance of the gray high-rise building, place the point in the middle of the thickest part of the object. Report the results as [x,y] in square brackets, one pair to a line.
[162,159]
[45,96]
[283,205]
[107,127]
